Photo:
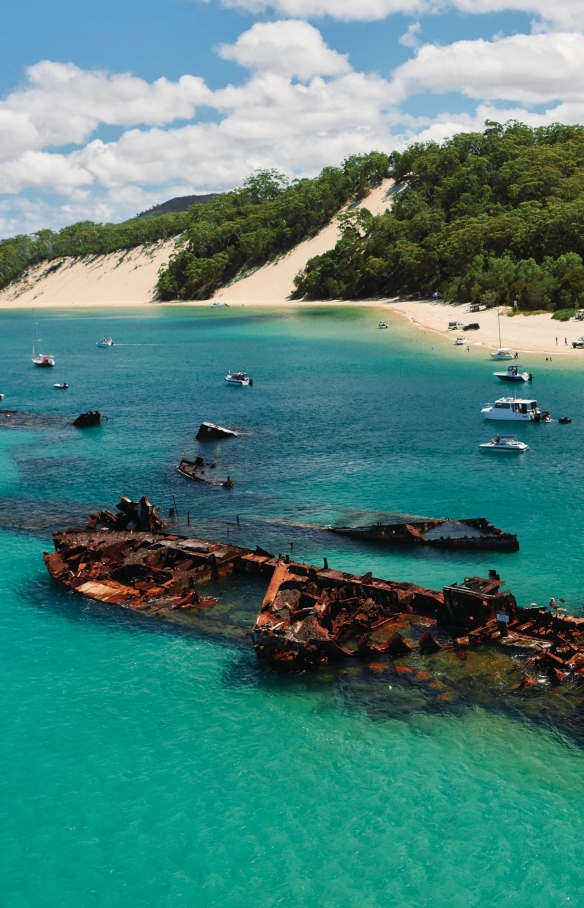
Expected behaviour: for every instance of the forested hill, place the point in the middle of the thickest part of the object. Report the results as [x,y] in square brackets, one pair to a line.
[243,229]
[490,218]
[233,231]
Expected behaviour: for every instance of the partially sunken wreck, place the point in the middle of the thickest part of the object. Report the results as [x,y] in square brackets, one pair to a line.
[476,534]
[310,615]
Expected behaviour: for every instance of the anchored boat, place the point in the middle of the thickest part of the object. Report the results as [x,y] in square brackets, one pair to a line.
[512,374]
[460,341]
[508,444]
[515,408]
[44,360]
[238,378]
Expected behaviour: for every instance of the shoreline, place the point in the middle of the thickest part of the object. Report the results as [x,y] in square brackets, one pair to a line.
[523,333]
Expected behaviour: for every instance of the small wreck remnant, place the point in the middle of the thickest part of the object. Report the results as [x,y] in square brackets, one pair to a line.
[440,533]
[195,469]
[91,418]
[132,515]
[208,431]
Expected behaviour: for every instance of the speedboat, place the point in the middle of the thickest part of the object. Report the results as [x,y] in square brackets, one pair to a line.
[383,325]
[219,305]
[460,341]
[504,353]
[509,444]
[2,396]
[515,408]
[44,360]
[238,378]
[61,384]
[512,374]
[105,342]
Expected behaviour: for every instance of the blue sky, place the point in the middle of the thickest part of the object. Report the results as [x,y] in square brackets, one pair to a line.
[107,108]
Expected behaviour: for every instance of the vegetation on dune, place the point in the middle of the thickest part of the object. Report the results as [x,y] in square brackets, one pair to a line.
[243,229]
[487,218]
[84,238]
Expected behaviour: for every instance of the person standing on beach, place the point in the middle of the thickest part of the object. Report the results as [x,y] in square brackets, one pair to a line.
[566,341]
[556,342]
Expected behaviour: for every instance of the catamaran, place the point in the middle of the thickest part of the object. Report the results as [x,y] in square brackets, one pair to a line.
[44,360]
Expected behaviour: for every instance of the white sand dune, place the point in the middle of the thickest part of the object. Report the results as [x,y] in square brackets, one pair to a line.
[125,278]
[274,282]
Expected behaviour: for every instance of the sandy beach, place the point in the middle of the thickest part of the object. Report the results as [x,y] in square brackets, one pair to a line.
[128,279]
[524,333]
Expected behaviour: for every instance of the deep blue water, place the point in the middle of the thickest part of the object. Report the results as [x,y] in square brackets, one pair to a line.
[146,767]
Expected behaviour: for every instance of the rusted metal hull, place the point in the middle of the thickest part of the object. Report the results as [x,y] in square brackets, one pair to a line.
[310,615]
[476,535]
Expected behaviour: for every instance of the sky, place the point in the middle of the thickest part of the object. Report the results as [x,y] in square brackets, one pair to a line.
[108,107]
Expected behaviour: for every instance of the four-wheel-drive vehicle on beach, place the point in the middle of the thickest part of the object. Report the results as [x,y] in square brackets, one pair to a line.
[474,326]
[579,342]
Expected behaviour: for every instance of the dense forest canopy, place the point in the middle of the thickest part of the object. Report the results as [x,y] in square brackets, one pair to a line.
[268,216]
[491,218]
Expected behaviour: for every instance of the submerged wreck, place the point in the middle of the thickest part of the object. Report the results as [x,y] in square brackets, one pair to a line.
[476,535]
[310,615]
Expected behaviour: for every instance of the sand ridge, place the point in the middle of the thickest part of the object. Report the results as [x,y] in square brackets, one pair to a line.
[274,282]
[123,278]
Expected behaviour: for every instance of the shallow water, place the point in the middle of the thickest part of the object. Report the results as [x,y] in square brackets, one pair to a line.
[149,767]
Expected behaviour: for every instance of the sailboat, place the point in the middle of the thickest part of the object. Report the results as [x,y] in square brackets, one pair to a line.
[503,352]
[44,360]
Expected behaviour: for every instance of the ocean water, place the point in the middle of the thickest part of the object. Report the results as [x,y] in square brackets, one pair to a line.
[144,766]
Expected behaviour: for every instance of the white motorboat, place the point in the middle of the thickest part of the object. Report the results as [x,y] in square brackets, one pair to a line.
[105,342]
[460,341]
[512,374]
[61,384]
[44,360]
[504,353]
[238,378]
[383,325]
[515,408]
[508,444]
[2,396]
[219,305]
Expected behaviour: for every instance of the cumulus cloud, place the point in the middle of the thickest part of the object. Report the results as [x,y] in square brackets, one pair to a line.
[289,48]
[301,107]
[563,13]
[532,69]
[62,104]
[411,37]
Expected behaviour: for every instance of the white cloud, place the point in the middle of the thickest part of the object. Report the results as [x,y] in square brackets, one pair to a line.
[301,107]
[62,104]
[410,38]
[289,48]
[562,13]
[532,69]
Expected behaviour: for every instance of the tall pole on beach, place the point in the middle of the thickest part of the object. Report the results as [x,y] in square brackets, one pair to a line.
[499,322]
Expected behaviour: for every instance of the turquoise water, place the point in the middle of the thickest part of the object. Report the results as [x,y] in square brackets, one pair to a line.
[146,767]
